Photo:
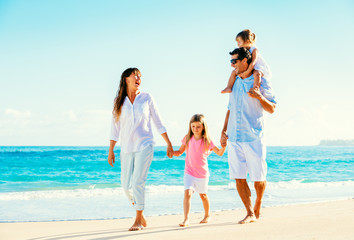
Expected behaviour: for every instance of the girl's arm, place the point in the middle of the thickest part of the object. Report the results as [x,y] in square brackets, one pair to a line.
[180,151]
[250,68]
[218,151]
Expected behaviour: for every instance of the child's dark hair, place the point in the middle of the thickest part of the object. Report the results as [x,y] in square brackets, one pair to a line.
[242,53]
[247,36]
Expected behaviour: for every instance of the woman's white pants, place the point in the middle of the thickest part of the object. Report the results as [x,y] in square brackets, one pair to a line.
[134,169]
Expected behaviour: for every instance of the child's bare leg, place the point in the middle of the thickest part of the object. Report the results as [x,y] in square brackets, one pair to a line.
[230,83]
[206,206]
[187,206]
[257,78]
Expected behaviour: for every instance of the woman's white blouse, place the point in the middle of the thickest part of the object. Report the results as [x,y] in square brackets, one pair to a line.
[134,124]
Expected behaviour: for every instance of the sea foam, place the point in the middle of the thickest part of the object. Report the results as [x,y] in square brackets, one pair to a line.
[161,189]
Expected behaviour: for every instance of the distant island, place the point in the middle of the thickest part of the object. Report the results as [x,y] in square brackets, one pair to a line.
[339,142]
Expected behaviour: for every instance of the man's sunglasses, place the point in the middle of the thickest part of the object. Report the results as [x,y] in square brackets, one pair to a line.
[233,61]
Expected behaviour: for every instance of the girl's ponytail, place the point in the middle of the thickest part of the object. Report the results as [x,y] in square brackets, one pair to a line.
[247,36]
[253,37]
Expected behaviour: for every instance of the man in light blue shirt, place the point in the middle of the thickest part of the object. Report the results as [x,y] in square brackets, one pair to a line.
[244,129]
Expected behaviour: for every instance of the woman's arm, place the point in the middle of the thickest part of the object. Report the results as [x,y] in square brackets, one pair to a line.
[115,131]
[218,151]
[180,151]
[111,157]
[169,144]
[155,115]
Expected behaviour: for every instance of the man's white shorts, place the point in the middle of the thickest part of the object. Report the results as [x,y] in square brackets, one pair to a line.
[247,157]
[200,185]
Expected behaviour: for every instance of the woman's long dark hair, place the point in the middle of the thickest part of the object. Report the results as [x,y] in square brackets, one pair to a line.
[122,92]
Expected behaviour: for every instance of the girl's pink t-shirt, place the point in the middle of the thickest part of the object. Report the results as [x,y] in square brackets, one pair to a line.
[196,159]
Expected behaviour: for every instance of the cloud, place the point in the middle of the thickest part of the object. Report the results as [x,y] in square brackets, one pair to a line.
[308,126]
[302,125]
[17,114]
[71,116]
[88,127]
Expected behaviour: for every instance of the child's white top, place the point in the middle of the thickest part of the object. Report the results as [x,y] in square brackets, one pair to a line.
[261,64]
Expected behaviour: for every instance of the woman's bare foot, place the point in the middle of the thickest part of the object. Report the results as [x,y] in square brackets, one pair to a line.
[185,223]
[136,226]
[143,221]
[206,219]
[248,219]
[227,90]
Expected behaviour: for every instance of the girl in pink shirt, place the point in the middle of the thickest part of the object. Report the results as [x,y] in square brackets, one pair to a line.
[198,146]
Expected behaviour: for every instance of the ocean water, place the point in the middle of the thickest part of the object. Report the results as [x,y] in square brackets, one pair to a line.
[77,183]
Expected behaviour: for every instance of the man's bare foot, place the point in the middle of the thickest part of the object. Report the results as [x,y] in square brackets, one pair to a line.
[227,90]
[248,219]
[257,212]
[185,223]
[257,208]
[136,227]
[206,219]
[143,221]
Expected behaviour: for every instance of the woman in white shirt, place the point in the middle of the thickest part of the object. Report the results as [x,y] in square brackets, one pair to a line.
[131,122]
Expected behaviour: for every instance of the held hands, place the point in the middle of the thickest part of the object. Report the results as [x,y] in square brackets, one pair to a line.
[111,158]
[255,93]
[177,153]
[169,151]
[223,140]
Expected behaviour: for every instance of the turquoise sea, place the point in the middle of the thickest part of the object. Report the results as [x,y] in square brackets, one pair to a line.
[76,183]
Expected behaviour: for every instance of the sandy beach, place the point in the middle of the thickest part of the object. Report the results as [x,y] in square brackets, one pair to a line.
[327,220]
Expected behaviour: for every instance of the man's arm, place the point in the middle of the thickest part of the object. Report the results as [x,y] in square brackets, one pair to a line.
[266,104]
[223,139]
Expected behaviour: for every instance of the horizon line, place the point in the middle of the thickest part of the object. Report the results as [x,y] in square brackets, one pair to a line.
[154,145]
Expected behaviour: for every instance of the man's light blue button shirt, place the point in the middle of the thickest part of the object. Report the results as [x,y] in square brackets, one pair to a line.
[246,113]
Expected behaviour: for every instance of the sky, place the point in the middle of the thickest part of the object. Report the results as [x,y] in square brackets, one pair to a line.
[61,61]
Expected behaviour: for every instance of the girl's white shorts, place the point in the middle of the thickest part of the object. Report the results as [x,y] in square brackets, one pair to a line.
[199,185]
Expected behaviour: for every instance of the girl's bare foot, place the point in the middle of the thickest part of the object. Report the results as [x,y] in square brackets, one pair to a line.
[185,223]
[206,219]
[227,90]
[136,226]
[248,219]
